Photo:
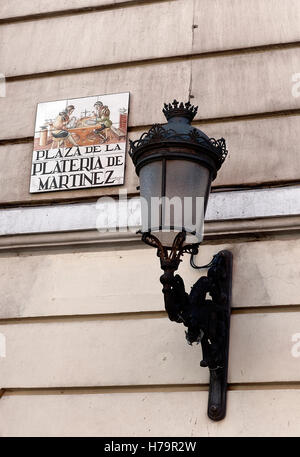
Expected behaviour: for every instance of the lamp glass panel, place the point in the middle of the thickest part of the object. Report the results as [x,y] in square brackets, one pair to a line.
[187,188]
[183,204]
[150,190]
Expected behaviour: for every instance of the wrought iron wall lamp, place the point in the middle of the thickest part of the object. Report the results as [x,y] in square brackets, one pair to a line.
[177,161]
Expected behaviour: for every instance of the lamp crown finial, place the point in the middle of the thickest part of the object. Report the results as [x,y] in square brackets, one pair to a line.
[180,109]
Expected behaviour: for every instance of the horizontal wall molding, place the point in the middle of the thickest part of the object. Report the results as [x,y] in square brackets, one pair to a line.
[232,230]
[222,206]
[132,389]
[149,414]
[137,315]
[24,10]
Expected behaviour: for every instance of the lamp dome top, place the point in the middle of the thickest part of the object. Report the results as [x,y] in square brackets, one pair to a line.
[176,109]
[178,133]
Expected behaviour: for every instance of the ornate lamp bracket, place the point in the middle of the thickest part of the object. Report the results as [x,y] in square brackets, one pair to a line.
[205,311]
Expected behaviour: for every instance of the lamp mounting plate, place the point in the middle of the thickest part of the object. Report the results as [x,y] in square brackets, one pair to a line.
[206,314]
[205,311]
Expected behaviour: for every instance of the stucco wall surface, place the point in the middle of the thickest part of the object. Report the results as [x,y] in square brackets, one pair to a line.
[86,348]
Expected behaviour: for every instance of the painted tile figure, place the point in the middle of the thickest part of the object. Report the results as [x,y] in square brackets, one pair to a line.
[60,132]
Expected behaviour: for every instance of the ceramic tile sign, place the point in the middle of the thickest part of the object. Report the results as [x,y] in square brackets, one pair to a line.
[80,143]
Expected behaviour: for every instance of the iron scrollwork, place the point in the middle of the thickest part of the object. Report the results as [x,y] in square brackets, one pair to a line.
[207,319]
[159,133]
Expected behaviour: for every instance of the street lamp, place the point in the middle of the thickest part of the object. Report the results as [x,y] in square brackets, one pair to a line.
[176,164]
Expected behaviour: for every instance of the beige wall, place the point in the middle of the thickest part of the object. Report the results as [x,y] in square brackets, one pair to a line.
[50,283]
[89,350]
